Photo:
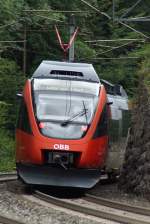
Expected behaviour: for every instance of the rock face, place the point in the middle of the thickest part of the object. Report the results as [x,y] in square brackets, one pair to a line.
[135,173]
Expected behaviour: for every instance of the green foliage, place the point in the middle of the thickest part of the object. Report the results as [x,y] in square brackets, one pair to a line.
[7,152]
[145,72]
[125,74]
[11,82]
[84,51]
[4,108]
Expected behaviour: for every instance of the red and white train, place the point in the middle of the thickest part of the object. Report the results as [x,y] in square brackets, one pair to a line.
[62,128]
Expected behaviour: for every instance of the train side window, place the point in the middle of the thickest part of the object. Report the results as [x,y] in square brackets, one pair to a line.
[102,126]
[23,122]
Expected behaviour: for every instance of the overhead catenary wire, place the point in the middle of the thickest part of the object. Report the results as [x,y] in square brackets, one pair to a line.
[56,20]
[52,19]
[3,47]
[119,20]
[146,19]
[133,29]
[102,45]
[141,17]
[131,8]
[80,11]
[97,10]
[114,40]
[21,49]
[9,24]
[101,58]
[117,47]
[56,11]
[120,58]
[44,29]
[12,41]
[114,58]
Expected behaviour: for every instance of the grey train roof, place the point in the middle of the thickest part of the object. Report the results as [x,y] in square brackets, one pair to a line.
[77,71]
[114,89]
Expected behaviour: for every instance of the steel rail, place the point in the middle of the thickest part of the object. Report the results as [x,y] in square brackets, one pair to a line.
[88,211]
[5,177]
[117,205]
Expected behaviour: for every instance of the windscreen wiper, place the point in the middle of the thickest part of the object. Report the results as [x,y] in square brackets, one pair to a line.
[79,114]
[85,112]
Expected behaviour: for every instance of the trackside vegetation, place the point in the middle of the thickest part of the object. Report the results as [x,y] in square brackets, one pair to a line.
[11,82]
[7,152]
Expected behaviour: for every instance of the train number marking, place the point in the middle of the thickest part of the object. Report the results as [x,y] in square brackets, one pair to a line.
[61,146]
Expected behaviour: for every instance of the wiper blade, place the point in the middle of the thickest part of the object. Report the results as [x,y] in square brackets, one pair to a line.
[85,112]
[79,114]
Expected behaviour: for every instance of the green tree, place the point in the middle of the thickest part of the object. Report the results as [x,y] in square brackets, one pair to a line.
[11,81]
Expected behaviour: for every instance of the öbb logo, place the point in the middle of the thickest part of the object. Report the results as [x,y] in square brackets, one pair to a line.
[61,146]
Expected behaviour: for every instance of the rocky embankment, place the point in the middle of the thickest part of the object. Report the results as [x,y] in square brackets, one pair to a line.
[135,174]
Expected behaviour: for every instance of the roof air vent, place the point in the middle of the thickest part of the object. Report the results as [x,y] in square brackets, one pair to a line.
[66,73]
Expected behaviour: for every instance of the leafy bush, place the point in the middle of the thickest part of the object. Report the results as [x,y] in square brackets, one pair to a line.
[7,152]
[3,114]
[11,81]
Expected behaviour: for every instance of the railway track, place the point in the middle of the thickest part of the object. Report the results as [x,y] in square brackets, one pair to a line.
[6,220]
[89,205]
[6,177]
[97,209]
[117,205]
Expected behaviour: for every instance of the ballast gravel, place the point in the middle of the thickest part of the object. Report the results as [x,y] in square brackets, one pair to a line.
[110,191]
[13,205]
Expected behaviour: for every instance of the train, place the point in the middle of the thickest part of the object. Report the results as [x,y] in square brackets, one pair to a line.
[62,126]
[119,124]
[117,95]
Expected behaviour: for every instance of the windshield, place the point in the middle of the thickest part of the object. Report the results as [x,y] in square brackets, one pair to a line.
[65,108]
[57,106]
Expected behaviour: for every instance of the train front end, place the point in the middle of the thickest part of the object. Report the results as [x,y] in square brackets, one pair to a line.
[61,135]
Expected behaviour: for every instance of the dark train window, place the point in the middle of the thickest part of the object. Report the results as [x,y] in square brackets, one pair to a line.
[102,126]
[23,122]
[108,87]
